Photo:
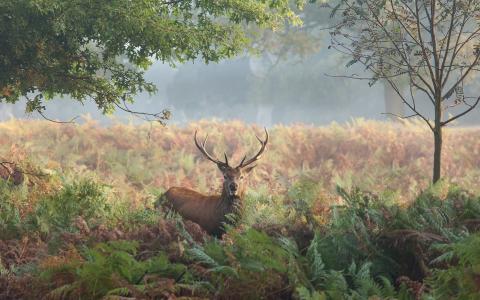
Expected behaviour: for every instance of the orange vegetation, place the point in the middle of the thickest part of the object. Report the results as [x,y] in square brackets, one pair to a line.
[140,159]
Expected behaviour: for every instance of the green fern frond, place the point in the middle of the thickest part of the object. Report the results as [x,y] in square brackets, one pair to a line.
[198,254]
[121,291]
[304,294]
[62,292]
[290,246]
[225,270]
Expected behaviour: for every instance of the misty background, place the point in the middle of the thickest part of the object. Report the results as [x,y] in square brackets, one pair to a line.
[288,81]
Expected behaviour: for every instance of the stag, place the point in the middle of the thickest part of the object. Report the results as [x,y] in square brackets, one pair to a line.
[212,212]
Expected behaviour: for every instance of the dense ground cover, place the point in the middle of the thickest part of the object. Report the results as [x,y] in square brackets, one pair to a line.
[337,212]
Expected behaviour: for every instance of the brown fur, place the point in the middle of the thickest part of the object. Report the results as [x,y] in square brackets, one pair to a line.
[207,211]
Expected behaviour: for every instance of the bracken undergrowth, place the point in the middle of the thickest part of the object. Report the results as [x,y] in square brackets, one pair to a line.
[83,223]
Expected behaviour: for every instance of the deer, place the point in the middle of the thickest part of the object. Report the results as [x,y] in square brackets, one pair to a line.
[212,212]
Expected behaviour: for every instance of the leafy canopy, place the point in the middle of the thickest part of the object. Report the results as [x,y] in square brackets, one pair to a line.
[100,49]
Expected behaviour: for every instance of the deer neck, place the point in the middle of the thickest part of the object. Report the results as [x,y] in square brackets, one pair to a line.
[229,200]
[230,204]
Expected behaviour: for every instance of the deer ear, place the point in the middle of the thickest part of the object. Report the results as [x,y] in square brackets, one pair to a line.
[249,169]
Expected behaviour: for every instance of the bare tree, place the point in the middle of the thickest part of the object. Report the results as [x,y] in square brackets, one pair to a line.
[433,44]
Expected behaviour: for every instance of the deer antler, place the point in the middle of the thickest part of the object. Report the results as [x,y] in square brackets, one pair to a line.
[258,155]
[209,157]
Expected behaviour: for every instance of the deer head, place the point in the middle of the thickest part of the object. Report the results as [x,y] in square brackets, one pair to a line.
[233,176]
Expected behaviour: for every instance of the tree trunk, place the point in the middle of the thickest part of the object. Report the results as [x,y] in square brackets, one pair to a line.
[437,154]
[438,138]
[394,106]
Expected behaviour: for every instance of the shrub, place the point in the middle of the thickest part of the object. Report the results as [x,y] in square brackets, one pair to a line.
[112,269]
[242,261]
[56,213]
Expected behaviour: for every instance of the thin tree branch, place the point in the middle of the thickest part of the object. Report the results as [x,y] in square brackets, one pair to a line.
[355,76]
[452,58]
[399,116]
[449,31]
[72,121]
[422,47]
[462,113]
[433,4]
[470,68]
[158,117]
[414,109]
[381,25]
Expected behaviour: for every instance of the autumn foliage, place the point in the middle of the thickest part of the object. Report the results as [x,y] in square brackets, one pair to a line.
[139,159]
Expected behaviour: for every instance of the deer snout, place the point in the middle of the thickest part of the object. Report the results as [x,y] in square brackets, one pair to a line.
[233,187]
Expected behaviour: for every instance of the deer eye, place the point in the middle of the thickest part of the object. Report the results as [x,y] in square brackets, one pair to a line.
[241,177]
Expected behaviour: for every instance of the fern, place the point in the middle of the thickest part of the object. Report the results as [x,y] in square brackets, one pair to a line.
[10,221]
[160,265]
[304,294]
[199,255]
[121,291]
[87,199]
[106,267]
[62,292]
[290,246]
[251,258]
[315,262]
[459,280]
